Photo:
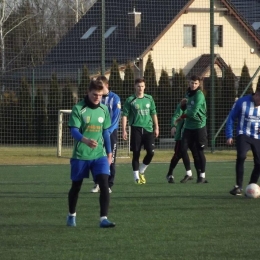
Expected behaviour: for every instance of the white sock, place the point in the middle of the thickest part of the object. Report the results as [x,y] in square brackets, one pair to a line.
[143,168]
[189,173]
[136,175]
[202,175]
[102,218]
[73,214]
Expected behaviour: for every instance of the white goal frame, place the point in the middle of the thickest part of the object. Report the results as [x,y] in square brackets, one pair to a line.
[121,153]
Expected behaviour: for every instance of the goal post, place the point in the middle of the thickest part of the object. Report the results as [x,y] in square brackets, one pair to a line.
[65,141]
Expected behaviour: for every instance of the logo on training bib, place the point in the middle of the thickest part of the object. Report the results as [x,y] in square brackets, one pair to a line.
[100,119]
[136,106]
[147,105]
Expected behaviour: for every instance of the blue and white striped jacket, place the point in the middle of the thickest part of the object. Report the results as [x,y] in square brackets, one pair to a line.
[113,103]
[247,116]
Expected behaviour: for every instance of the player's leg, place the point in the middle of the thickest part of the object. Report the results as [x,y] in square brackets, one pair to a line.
[186,142]
[79,170]
[201,143]
[255,147]
[149,145]
[174,161]
[100,171]
[196,159]
[135,147]
[113,139]
[242,147]
[73,199]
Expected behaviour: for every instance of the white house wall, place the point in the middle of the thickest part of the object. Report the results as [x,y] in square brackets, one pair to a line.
[169,51]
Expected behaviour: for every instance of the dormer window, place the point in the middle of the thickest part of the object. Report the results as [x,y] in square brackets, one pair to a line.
[110,31]
[88,33]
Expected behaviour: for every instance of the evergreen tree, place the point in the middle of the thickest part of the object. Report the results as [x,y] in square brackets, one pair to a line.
[67,97]
[243,82]
[150,78]
[115,81]
[84,83]
[128,83]
[164,103]
[183,83]
[40,118]
[54,104]
[227,99]
[208,95]
[26,111]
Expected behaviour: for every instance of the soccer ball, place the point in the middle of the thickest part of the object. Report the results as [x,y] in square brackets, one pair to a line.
[253,191]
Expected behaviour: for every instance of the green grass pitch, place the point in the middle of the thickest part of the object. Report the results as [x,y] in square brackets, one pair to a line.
[154,221]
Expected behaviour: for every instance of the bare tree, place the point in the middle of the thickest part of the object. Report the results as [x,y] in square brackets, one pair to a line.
[79,7]
[7,7]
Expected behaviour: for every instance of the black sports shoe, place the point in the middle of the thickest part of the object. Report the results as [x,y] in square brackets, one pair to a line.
[201,180]
[236,191]
[186,178]
[170,179]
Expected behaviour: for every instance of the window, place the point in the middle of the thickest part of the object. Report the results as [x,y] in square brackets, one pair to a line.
[218,35]
[189,36]
[88,33]
[109,31]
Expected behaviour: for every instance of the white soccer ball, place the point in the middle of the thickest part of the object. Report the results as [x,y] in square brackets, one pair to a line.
[253,191]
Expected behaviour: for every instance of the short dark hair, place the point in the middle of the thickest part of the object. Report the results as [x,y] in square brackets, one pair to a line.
[95,85]
[139,80]
[103,79]
[195,77]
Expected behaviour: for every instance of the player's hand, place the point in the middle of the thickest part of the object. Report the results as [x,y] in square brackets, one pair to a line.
[184,104]
[91,143]
[184,101]
[178,120]
[173,131]
[156,132]
[124,135]
[229,141]
[109,158]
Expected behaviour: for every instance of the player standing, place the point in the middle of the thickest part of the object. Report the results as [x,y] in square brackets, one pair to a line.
[113,103]
[195,132]
[246,111]
[89,121]
[141,112]
[176,131]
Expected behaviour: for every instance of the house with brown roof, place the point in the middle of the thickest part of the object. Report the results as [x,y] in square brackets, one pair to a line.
[175,33]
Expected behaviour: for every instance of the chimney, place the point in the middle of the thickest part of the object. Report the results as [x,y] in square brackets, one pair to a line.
[134,24]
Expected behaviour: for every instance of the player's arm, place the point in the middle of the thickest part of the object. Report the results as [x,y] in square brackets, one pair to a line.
[155,125]
[107,144]
[124,132]
[177,113]
[74,125]
[153,114]
[77,135]
[125,114]
[116,114]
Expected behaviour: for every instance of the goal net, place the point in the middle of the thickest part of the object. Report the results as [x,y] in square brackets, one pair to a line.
[65,140]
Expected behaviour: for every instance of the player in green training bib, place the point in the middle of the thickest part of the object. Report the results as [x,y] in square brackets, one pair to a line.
[89,122]
[195,132]
[141,112]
